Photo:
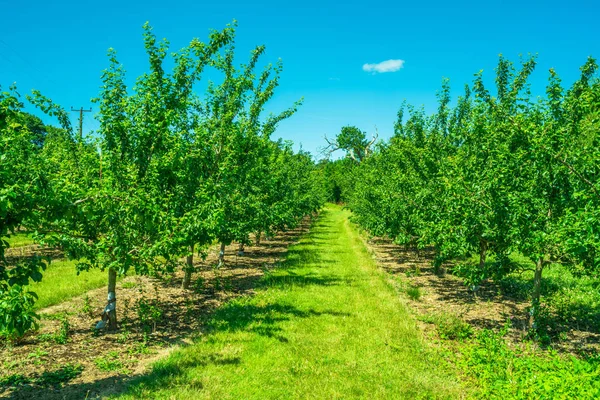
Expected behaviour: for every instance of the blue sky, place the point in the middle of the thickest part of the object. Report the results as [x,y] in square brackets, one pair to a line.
[59,48]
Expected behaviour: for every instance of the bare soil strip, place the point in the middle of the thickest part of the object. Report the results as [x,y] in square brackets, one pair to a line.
[489,307]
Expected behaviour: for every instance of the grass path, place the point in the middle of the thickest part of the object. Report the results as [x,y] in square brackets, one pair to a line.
[60,280]
[60,283]
[325,325]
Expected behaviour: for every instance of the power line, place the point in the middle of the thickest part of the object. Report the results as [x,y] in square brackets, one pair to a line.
[81,111]
[38,76]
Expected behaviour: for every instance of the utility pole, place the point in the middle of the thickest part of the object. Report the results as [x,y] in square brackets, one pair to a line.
[81,111]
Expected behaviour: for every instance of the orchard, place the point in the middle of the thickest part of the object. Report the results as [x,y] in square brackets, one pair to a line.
[183,250]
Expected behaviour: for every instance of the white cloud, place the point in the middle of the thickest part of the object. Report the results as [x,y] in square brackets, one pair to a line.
[384,66]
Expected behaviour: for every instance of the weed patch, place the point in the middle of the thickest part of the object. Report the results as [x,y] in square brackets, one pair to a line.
[110,362]
[413,292]
[502,372]
[449,326]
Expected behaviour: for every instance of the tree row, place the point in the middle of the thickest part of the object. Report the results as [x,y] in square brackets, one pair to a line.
[497,172]
[176,166]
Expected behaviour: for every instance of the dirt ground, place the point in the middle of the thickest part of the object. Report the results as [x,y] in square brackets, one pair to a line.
[488,308]
[155,317]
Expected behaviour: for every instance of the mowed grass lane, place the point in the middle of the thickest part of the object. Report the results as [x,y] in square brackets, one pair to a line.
[324,325]
[60,281]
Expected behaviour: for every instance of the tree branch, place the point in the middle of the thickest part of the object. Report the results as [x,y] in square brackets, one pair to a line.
[368,146]
[579,175]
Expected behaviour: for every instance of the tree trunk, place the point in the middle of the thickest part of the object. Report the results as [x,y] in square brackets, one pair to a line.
[112,300]
[241,250]
[222,255]
[537,288]
[257,238]
[189,269]
[483,246]
[416,249]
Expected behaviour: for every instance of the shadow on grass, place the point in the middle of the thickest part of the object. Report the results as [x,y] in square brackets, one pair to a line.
[262,320]
[209,318]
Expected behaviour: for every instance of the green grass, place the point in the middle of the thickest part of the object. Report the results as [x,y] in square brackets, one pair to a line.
[501,372]
[326,324]
[19,240]
[61,282]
